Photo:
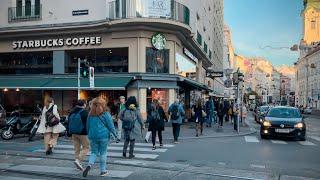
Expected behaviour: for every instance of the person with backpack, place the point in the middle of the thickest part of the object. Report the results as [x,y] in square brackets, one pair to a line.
[221,113]
[209,111]
[99,127]
[176,112]
[132,125]
[50,125]
[77,120]
[156,120]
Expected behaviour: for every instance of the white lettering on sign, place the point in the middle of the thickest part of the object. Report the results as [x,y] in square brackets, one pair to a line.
[56,42]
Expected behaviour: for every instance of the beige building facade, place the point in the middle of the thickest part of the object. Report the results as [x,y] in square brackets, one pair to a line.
[135,48]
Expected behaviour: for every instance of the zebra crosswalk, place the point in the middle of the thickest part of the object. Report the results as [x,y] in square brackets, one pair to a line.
[311,141]
[142,150]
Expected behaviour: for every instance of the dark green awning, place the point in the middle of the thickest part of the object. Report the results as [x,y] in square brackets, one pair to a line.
[103,83]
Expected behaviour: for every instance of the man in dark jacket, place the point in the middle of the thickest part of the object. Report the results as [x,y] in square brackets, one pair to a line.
[81,138]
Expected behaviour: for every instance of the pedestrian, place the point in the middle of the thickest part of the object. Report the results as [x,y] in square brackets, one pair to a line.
[50,125]
[120,108]
[221,114]
[99,128]
[226,105]
[199,116]
[230,112]
[77,122]
[235,116]
[209,111]
[244,115]
[176,113]
[156,120]
[132,125]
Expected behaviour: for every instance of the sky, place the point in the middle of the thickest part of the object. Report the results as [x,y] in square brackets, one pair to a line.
[256,24]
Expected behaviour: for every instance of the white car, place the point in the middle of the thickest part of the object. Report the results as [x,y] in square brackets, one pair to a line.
[307,110]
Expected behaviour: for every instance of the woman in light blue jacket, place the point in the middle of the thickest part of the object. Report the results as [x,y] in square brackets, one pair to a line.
[99,127]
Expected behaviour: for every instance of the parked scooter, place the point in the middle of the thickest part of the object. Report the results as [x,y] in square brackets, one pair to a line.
[15,126]
[35,127]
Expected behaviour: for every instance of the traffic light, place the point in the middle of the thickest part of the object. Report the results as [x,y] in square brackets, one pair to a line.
[84,69]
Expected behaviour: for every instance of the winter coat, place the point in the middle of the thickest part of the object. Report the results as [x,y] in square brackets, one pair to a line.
[100,127]
[198,114]
[136,132]
[59,128]
[181,111]
[84,117]
[157,125]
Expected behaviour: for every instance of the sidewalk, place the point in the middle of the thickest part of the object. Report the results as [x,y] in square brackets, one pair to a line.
[188,131]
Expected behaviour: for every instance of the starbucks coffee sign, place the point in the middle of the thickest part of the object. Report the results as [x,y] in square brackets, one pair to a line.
[43,43]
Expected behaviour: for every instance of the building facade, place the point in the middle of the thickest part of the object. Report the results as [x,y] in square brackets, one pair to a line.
[148,49]
[307,75]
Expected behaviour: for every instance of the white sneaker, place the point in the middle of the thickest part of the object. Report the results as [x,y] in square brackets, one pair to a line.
[78,165]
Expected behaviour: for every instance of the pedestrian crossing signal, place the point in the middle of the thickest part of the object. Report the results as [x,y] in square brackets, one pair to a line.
[84,69]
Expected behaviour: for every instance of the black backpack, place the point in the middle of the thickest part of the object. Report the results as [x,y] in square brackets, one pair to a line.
[175,112]
[155,115]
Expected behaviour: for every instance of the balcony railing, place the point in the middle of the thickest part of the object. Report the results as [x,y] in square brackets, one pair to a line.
[125,9]
[24,13]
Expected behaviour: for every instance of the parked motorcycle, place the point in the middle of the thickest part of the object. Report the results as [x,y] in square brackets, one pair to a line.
[15,125]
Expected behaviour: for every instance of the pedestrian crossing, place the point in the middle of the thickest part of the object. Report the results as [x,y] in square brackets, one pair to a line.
[143,153]
[142,150]
[311,141]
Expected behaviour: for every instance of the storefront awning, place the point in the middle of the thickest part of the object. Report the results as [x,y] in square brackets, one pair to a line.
[194,85]
[68,83]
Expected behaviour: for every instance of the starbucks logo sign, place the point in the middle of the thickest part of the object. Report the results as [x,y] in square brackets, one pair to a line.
[158,41]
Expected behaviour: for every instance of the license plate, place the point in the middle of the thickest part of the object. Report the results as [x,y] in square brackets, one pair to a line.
[283,130]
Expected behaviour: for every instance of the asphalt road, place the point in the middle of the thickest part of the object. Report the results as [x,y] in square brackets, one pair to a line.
[243,157]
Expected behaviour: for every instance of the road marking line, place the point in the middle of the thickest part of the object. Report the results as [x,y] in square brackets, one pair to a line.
[109,154]
[253,139]
[64,170]
[33,159]
[145,149]
[144,144]
[67,146]
[306,143]
[315,138]
[258,166]
[278,142]
[222,163]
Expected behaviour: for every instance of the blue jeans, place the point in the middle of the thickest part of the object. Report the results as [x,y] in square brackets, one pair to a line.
[99,147]
[210,118]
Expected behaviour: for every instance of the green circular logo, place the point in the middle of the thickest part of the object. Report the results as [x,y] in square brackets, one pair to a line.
[158,41]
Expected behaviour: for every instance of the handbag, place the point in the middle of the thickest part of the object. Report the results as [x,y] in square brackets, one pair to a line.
[204,114]
[52,119]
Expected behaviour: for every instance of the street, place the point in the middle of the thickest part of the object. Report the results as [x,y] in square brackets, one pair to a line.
[239,157]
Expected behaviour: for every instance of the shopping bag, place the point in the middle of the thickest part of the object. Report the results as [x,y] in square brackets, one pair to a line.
[148,134]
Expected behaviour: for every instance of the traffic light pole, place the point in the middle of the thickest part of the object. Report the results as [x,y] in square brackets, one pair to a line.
[78,78]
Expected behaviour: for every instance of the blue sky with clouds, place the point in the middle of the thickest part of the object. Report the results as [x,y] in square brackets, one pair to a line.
[258,23]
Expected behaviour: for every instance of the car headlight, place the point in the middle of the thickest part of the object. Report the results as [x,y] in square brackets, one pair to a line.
[266,124]
[299,125]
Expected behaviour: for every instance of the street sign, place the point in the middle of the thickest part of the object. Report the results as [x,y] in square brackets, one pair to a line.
[91,77]
[228,83]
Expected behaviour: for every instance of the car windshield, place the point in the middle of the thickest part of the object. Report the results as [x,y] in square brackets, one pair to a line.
[284,113]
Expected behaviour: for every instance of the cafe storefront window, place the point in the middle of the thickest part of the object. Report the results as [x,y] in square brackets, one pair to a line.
[104,60]
[157,60]
[162,95]
[185,67]
[26,63]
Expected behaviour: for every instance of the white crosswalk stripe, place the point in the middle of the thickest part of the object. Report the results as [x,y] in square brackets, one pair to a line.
[317,138]
[278,142]
[306,143]
[143,150]
[253,139]
[64,170]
